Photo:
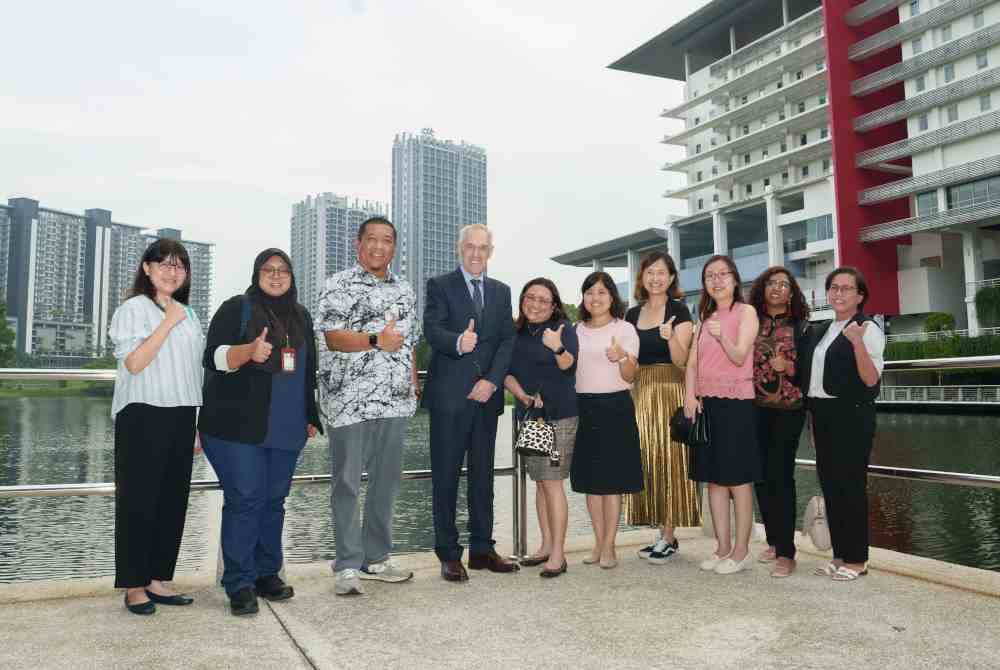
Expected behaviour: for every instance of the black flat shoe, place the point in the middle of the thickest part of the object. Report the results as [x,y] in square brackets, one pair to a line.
[549,574]
[532,561]
[143,609]
[273,588]
[169,600]
[243,602]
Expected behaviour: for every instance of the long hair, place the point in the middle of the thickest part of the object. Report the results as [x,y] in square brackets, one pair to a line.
[797,306]
[707,306]
[558,311]
[157,252]
[673,291]
[859,279]
[617,306]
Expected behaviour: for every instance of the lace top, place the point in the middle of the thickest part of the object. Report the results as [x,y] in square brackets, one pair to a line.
[718,376]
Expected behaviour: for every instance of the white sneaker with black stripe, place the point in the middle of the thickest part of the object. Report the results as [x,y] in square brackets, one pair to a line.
[657,546]
[664,555]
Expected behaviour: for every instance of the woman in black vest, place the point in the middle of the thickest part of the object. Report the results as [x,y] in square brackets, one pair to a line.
[259,408]
[841,377]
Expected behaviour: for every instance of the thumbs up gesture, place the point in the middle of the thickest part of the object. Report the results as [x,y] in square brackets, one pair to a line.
[261,348]
[615,353]
[714,327]
[553,338]
[390,339]
[469,338]
[174,311]
[667,329]
[779,363]
[855,333]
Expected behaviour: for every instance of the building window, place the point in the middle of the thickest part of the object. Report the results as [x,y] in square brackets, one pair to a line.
[927,203]
[974,193]
[824,132]
[949,72]
[764,152]
[921,83]
[982,60]
[698,176]
[746,128]
[701,203]
[798,75]
[922,123]
[729,137]
[805,170]
[914,7]
[783,147]
[952,113]
[715,170]
[820,65]
[917,44]
[767,182]
[781,115]
[781,84]
[946,33]
[729,166]
[730,194]
[746,159]
[826,165]
[978,20]
[784,177]
[715,198]
[749,189]
[697,149]
[803,139]
[743,100]
[802,106]
[985,104]
[822,99]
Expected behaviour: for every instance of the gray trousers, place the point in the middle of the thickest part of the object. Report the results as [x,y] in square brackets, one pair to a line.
[375,447]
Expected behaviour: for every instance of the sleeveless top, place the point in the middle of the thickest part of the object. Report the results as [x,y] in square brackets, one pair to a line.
[718,377]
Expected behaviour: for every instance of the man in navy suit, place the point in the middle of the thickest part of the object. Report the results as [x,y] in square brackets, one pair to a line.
[469,325]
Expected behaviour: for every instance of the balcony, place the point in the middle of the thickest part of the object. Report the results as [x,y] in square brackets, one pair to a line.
[956,174]
[911,67]
[912,145]
[963,88]
[890,37]
[928,222]
[870,9]
[791,31]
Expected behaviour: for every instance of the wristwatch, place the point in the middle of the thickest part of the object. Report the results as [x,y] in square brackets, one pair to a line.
[560,351]
[373,340]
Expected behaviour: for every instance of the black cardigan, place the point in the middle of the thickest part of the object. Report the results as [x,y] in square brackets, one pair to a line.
[237,404]
[841,378]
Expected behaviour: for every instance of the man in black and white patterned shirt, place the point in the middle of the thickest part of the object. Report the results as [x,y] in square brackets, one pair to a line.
[368,386]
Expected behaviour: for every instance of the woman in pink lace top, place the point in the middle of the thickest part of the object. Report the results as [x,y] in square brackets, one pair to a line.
[719,381]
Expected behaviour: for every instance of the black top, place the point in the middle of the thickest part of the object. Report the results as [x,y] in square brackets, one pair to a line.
[237,404]
[653,349]
[534,367]
[841,378]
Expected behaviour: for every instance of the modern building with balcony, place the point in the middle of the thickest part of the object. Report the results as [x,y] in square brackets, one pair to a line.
[835,132]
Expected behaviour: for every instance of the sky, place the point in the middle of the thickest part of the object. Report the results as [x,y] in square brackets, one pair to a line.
[215,117]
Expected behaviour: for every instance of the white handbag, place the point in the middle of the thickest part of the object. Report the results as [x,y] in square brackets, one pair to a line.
[814,523]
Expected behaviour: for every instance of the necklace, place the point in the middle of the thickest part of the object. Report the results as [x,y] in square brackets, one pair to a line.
[537,329]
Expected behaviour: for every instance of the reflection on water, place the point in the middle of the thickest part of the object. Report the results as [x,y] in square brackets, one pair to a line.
[69,440]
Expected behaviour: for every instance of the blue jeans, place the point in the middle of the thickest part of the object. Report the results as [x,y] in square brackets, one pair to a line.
[255,483]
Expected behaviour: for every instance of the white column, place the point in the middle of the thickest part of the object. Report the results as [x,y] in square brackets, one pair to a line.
[972,257]
[719,242]
[596,265]
[687,66]
[732,39]
[633,268]
[674,243]
[784,12]
[775,245]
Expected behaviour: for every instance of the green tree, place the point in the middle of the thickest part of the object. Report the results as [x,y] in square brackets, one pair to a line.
[8,348]
[572,312]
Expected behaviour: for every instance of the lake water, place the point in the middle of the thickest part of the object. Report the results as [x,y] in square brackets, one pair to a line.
[69,440]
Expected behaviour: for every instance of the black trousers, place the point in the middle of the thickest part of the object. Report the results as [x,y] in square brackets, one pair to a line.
[843,432]
[472,431]
[153,455]
[778,433]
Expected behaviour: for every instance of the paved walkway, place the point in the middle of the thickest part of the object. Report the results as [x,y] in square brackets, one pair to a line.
[635,616]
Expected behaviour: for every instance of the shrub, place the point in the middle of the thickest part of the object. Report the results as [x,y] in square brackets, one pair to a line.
[988,305]
[985,345]
[938,321]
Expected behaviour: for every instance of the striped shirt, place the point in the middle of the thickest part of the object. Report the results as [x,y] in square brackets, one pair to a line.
[174,376]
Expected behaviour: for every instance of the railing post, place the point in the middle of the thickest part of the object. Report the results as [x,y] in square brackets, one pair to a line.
[518,549]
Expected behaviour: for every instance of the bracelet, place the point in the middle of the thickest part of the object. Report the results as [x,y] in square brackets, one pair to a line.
[559,352]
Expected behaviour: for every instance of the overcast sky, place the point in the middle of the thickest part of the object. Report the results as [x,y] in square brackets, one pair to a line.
[214,117]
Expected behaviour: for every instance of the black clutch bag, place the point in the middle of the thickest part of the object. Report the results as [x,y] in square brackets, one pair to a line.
[694,433]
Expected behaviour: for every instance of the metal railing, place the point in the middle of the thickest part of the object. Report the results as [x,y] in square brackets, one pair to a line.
[869,10]
[890,37]
[937,395]
[956,174]
[953,132]
[914,224]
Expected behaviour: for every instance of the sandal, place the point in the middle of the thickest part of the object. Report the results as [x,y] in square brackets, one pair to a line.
[846,574]
[828,570]
[783,568]
[769,555]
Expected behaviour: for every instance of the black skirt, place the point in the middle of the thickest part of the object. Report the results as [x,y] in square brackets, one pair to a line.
[732,456]
[606,459]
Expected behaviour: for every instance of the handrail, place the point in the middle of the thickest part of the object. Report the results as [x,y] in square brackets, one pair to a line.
[918,474]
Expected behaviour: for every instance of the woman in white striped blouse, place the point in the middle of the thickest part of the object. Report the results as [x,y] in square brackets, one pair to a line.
[158,343]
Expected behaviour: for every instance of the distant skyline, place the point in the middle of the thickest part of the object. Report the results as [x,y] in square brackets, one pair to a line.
[260,105]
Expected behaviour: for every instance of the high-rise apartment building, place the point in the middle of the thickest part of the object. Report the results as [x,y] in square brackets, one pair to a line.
[63,275]
[840,133]
[323,231]
[438,186]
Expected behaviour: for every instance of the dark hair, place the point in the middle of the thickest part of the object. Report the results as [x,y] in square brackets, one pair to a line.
[376,221]
[673,291]
[707,305]
[157,252]
[558,311]
[617,306]
[859,280]
[797,307]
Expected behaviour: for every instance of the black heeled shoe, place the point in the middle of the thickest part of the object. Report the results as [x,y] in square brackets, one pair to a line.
[532,561]
[549,574]
[169,600]
[142,609]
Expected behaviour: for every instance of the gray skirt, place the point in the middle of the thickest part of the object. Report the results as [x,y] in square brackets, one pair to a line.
[540,468]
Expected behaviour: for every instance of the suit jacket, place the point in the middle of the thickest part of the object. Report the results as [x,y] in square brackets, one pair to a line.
[451,376]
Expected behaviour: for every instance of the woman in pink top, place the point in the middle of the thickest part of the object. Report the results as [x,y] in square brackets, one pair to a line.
[606,459]
[719,381]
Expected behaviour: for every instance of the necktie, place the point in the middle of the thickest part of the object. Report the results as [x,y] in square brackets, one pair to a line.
[477,297]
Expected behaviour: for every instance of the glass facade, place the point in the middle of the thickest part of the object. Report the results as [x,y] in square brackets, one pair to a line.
[974,193]
[796,236]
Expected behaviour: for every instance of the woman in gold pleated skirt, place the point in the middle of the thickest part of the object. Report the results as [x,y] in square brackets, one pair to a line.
[669,498]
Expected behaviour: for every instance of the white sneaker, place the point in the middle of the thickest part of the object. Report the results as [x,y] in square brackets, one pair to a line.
[347,583]
[386,571]
[728,566]
[657,546]
[709,564]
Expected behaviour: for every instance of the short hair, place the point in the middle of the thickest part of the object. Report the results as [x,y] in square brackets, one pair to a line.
[464,233]
[673,291]
[157,252]
[617,306]
[376,221]
[707,306]
[558,311]
[798,307]
[859,280]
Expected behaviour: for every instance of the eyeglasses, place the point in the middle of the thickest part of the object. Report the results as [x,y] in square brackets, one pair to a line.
[544,302]
[279,271]
[720,276]
[481,248]
[778,283]
[171,267]
[834,288]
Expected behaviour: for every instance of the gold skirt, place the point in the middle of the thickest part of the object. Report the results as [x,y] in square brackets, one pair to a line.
[669,498]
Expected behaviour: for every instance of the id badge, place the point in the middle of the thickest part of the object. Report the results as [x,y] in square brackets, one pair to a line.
[288,360]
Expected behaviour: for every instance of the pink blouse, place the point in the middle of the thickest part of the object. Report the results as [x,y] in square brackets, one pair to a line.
[594,372]
[718,377]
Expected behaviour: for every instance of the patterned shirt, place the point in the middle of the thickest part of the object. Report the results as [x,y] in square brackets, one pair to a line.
[372,384]
[775,389]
